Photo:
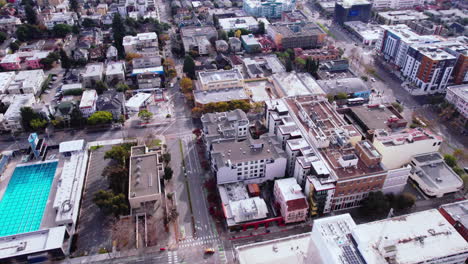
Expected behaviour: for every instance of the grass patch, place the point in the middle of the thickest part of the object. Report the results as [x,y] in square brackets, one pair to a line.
[45,85]
[93,148]
[324,28]
[182,153]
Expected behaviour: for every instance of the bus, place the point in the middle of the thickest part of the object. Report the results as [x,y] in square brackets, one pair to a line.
[355,101]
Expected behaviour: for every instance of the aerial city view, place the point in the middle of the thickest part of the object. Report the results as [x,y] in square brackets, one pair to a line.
[234,131]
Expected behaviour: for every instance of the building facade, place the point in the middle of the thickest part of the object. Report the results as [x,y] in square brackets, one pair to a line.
[291,201]
[352,10]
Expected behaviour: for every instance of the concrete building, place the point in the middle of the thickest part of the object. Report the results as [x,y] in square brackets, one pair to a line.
[146,62]
[400,17]
[296,35]
[293,16]
[221,79]
[92,74]
[220,95]
[352,10]
[434,176]
[145,172]
[353,87]
[88,103]
[458,96]
[34,62]
[197,39]
[115,72]
[224,126]
[11,62]
[27,82]
[235,44]
[68,18]
[234,23]
[5,79]
[268,9]
[11,119]
[9,24]
[407,143]
[145,44]
[292,84]
[457,215]
[251,44]
[368,34]
[257,67]
[248,161]
[291,201]
[137,102]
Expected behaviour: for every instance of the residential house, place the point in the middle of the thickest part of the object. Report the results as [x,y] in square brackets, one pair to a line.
[115,72]
[34,62]
[88,103]
[113,102]
[11,62]
[93,73]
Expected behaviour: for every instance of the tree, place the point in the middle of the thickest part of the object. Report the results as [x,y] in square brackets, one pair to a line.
[122,87]
[300,62]
[66,62]
[31,15]
[261,28]
[110,203]
[130,56]
[14,46]
[100,87]
[74,6]
[171,73]
[27,115]
[100,117]
[145,115]
[450,160]
[27,32]
[288,65]
[166,157]
[189,67]
[186,85]
[375,204]
[48,61]
[117,177]
[3,36]
[238,33]
[404,201]
[118,29]
[341,96]
[398,107]
[168,173]
[61,30]
[38,123]
[88,22]
[118,153]
[222,35]
[458,153]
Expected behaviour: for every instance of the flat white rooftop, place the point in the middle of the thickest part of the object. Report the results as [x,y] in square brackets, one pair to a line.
[88,99]
[417,238]
[74,145]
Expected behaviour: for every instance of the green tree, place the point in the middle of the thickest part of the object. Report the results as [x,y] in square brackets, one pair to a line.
[288,65]
[186,85]
[27,115]
[122,87]
[189,67]
[27,32]
[375,204]
[166,157]
[450,160]
[118,29]
[31,15]
[222,35]
[261,28]
[88,23]
[117,177]
[100,117]
[300,62]
[404,201]
[66,62]
[110,203]
[145,115]
[341,96]
[3,36]
[398,107]
[61,30]
[100,87]
[119,153]
[38,124]
[14,46]
[168,173]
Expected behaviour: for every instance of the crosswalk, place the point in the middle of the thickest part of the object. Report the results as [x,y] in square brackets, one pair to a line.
[206,240]
[172,257]
[222,254]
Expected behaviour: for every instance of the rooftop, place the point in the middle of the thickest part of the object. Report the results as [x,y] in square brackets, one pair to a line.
[460,90]
[346,85]
[350,3]
[407,35]
[374,117]
[214,96]
[20,100]
[115,68]
[223,124]
[5,79]
[433,52]
[69,146]
[88,99]
[137,100]
[366,31]
[93,70]
[206,77]
[406,136]
[458,211]
[145,172]
[428,233]
[403,15]
[295,29]
[10,58]
[250,39]
[297,84]
[238,22]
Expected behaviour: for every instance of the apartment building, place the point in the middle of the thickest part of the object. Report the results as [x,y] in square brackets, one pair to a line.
[429,68]
[290,200]
[268,9]
[396,4]
[296,35]
[224,126]
[145,44]
[88,103]
[68,18]
[92,74]
[6,78]
[11,62]
[27,82]
[221,79]
[400,17]
[458,96]
[197,39]
[234,23]
[115,72]
[249,161]
[10,121]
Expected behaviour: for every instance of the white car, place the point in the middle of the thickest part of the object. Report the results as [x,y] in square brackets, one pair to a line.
[372,80]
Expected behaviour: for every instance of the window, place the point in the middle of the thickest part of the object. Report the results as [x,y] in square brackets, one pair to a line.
[239,173]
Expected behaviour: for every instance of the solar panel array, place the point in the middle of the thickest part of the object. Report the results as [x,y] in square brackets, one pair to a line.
[351,256]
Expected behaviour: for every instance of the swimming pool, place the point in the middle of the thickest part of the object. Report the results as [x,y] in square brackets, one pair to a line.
[25,199]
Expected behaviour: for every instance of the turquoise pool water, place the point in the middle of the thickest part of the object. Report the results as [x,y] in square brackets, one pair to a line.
[25,199]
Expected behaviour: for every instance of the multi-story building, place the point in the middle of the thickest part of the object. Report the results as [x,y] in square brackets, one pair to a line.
[115,72]
[249,161]
[217,80]
[224,126]
[88,103]
[368,34]
[433,176]
[290,200]
[197,39]
[406,143]
[146,62]
[458,96]
[5,79]
[428,67]
[293,16]
[234,23]
[250,43]
[145,44]
[400,17]
[113,102]
[352,10]
[396,4]
[34,62]
[138,8]
[11,119]
[11,62]
[68,18]
[27,82]
[93,73]
[296,35]
[457,215]
[337,240]
[269,8]
[9,24]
